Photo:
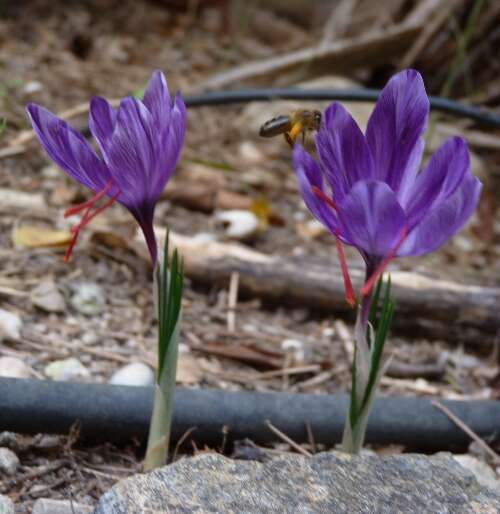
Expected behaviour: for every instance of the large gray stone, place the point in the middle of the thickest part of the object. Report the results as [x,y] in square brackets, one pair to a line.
[326,483]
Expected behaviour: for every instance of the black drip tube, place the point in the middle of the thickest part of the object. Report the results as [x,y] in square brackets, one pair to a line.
[121,414]
[438,103]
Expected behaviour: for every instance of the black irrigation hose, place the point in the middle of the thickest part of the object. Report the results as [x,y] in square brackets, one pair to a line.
[357,95]
[119,414]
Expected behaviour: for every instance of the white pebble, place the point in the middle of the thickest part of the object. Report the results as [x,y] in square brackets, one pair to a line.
[66,369]
[33,86]
[10,324]
[133,374]
[6,505]
[238,224]
[9,462]
[88,299]
[296,348]
[14,368]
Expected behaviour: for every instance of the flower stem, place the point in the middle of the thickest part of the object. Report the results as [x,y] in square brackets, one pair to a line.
[161,420]
[359,410]
[168,285]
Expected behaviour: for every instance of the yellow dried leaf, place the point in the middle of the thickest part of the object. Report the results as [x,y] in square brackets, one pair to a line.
[32,236]
[262,209]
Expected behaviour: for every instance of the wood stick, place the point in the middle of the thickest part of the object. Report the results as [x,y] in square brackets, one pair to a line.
[374,47]
[460,424]
[426,307]
[286,439]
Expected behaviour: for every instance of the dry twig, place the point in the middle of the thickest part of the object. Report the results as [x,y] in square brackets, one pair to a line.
[460,424]
[286,439]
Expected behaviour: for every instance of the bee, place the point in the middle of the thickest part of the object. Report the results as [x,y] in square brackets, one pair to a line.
[292,125]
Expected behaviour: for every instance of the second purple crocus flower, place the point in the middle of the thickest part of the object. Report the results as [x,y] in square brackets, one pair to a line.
[367,188]
[140,144]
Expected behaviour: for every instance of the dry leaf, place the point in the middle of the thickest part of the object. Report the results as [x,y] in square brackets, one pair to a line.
[32,236]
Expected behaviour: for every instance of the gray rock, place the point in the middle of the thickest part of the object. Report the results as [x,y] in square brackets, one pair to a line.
[326,483]
[483,473]
[48,506]
[6,505]
[9,461]
[47,297]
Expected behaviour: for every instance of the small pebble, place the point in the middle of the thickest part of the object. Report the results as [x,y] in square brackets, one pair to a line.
[9,462]
[238,224]
[49,506]
[133,374]
[47,297]
[6,505]
[88,299]
[296,348]
[33,86]
[14,368]
[250,153]
[10,324]
[204,237]
[66,369]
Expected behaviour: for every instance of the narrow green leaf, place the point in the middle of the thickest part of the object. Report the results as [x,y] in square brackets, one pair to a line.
[380,339]
[170,302]
[353,408]
[374,307]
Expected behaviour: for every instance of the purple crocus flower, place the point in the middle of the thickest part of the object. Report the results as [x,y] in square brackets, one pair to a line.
[367,189]
[140,144]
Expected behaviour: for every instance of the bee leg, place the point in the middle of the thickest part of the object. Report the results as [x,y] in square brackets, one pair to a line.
[303,138]
[294,133]
[289,139]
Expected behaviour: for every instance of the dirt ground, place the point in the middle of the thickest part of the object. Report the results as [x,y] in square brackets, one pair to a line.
[59,55]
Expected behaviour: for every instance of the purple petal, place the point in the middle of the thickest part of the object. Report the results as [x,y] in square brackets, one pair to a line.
[170,143]
[394,129]
[445,172]
[309,175]
[371,218]
[68,148]
[102,119]
[444,220]
[343,150]
[157,99]
[132,154]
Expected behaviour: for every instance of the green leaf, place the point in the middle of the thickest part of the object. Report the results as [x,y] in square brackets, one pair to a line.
[380,339]
[374,307]
[171,282]
[353,408]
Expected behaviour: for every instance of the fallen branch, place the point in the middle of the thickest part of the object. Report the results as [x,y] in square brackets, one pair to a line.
[426,307]
[345,54]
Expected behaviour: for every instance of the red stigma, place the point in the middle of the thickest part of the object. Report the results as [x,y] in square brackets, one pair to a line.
[322,196]
[89,214]
[349,290]
[368,286]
